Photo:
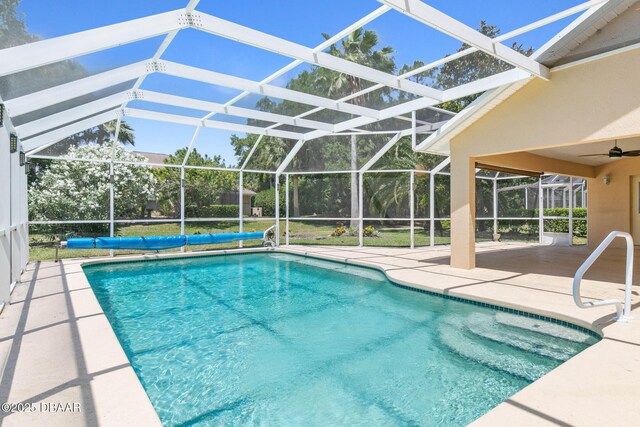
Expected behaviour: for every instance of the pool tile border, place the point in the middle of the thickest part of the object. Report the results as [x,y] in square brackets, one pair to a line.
[503,309]
[540,317]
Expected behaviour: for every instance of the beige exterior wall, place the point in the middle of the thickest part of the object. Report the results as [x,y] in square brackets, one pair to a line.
[592,102]
[610,205]
[596,101]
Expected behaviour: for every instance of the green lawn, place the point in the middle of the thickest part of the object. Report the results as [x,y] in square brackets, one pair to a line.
[301,233]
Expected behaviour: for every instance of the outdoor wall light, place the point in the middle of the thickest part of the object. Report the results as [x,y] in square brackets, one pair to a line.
[23,158]
[27,168]
[13,143]
[1,115]
[606,179]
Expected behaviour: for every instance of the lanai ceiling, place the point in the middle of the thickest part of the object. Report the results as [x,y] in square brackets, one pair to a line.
[572,153]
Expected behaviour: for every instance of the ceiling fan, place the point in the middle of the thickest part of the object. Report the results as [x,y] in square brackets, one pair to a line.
[615,153]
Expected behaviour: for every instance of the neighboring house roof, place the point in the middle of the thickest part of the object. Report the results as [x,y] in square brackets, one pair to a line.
[158,158]
[561,49]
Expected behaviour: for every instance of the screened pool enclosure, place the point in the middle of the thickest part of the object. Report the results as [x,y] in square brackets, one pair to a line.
[330,142]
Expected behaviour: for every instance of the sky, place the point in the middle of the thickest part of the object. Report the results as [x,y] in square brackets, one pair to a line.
[299,21]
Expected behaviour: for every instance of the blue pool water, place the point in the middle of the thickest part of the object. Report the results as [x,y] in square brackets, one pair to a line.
[277,339]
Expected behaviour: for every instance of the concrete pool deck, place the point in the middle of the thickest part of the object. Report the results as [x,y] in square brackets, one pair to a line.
[57,347]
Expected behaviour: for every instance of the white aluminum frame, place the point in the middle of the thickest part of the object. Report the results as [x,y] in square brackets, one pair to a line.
[44,52]
[446,24]
[39,134]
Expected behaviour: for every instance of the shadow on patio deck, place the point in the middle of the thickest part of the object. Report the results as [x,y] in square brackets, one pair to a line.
[48,346]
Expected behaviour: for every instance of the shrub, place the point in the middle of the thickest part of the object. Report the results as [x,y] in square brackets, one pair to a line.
[369,231]
[78,190]
[562,225]
[558,225]
[212,211]
[339,231]
[266,199]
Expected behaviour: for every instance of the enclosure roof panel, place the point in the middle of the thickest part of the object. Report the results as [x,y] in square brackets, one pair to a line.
[361,95]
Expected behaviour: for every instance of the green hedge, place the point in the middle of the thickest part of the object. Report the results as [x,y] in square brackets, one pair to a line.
[518,213]
[562,225]
[577,212]
[266,199]
[550,225]
[212,211]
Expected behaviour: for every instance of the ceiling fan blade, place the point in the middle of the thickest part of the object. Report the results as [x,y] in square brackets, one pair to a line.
[593,155]
[631,153]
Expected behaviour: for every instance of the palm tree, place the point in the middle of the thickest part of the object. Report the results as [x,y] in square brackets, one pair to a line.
[103,134]
[270,153]
[358,47]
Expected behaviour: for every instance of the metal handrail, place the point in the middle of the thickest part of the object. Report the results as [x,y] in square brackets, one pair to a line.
[621,315]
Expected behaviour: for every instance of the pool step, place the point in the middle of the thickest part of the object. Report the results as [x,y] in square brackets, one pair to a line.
[522,339]
[542,327]
[529,367]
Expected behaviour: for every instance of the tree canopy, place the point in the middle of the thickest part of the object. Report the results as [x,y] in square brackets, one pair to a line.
[80,190]
[202,187]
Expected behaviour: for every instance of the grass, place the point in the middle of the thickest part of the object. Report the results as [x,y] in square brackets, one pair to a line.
[301,233]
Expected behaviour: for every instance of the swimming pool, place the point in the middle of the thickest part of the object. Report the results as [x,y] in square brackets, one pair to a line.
[279,339]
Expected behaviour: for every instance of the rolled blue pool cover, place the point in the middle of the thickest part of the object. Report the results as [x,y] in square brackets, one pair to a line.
[81,243]
[156,243]
[212,239]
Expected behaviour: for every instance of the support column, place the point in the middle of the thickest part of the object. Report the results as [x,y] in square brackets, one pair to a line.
[432,209]
[412,208]
[286,214]
[495,206]
[182,200]
[540,211]
[360,210]
[571,203]
[463,193]
[241,205]
[182,204]
[114,146]
[111,204]
[277,202]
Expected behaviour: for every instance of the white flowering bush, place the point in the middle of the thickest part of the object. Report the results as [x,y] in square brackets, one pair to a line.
[79,190]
